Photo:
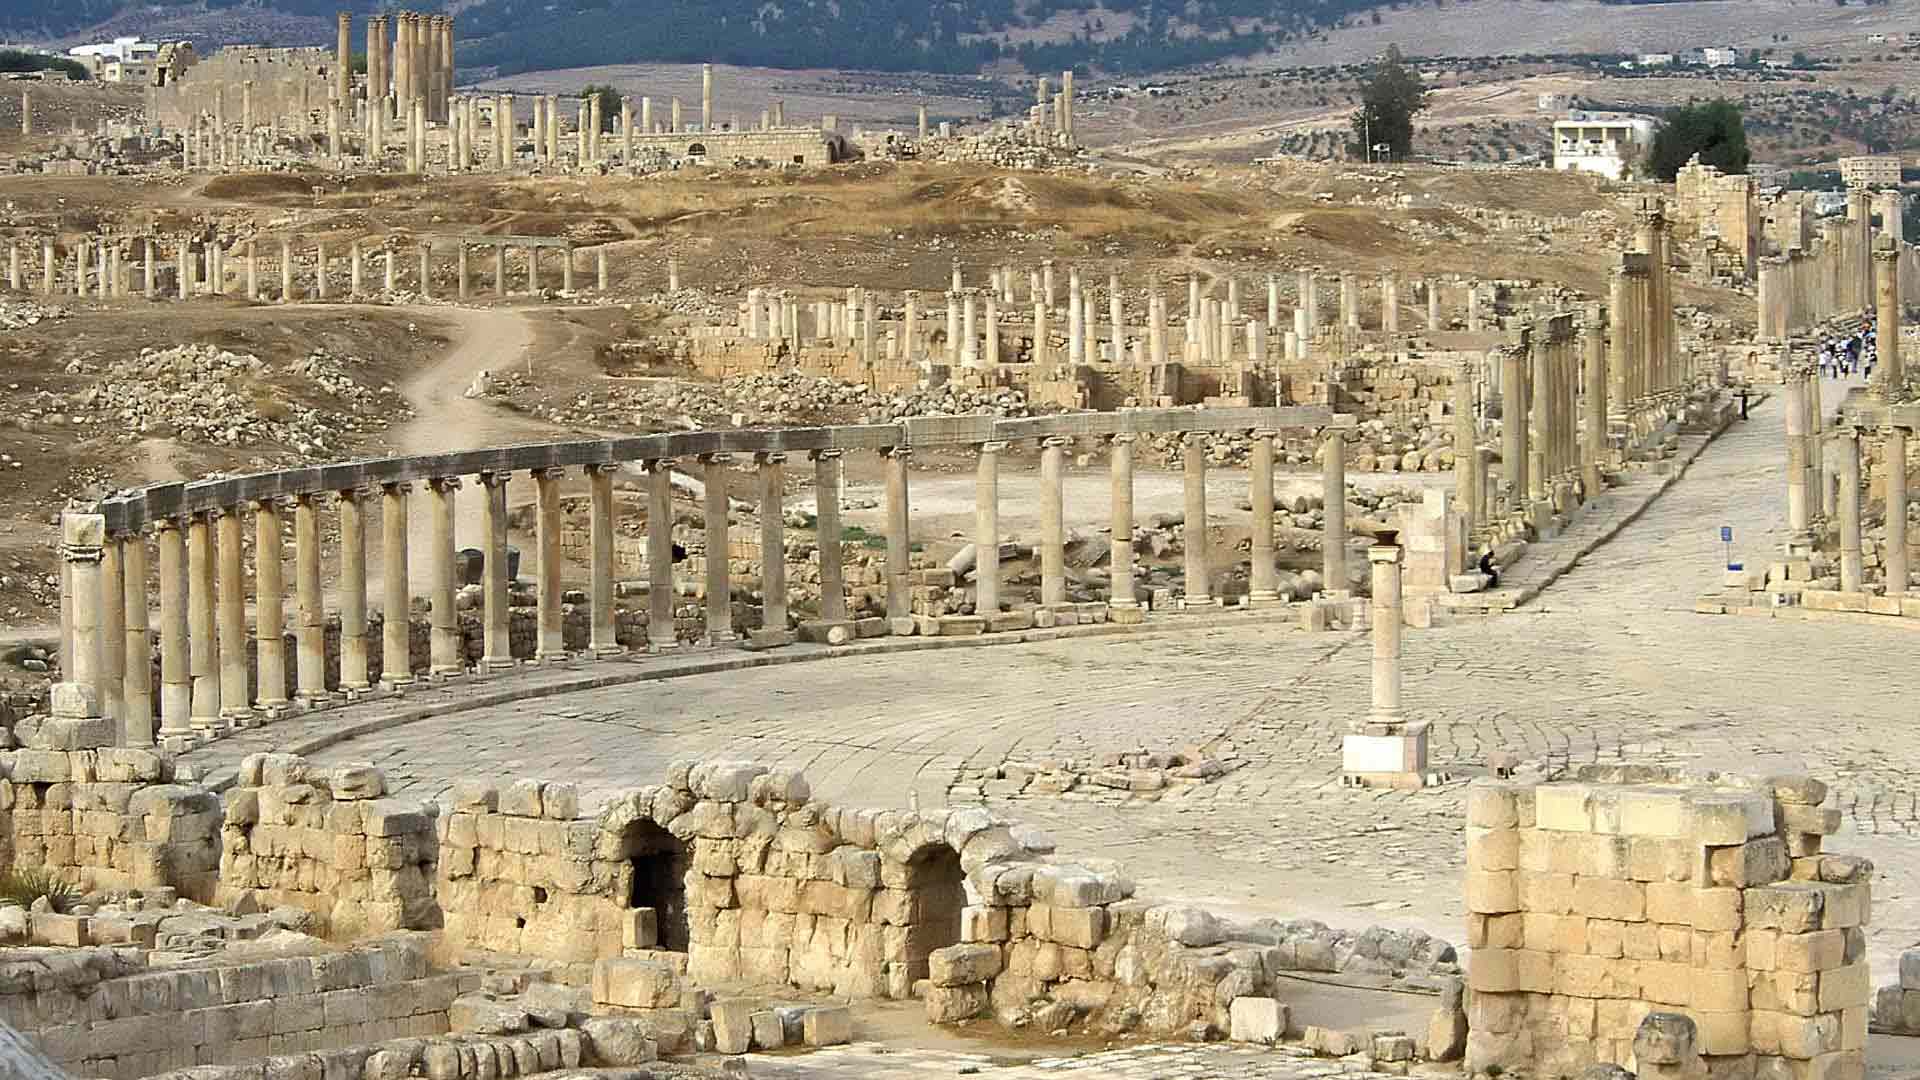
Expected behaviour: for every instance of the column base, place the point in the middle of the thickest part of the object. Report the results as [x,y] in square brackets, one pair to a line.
[717,638]
[447,672]
[1385,754]
[557,659]
[396,685]
[1196,603]
[657,648]
[1130,615]
[605,652]
[488,665]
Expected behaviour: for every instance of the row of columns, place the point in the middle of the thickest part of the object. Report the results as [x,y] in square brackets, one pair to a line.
[98,268]
[205,644]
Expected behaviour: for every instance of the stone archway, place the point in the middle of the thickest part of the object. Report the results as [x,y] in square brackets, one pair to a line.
[940,897]
[655,876]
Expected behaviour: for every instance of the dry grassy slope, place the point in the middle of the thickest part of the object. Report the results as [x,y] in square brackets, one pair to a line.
[57,105]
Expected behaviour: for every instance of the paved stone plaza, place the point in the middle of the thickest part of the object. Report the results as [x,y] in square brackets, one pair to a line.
[1609,663]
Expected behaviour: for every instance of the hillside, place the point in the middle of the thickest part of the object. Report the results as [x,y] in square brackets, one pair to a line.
[1118,38]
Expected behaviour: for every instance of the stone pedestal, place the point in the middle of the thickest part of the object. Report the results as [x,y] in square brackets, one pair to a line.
[1385,750]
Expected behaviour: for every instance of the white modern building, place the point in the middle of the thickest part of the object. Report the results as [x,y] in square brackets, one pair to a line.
[110,61]
[1720,57]
[1604,143]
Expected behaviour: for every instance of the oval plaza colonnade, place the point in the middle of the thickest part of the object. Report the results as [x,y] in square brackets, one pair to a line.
[207,685]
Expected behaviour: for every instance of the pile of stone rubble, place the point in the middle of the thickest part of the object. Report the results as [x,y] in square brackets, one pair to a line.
[20,315]
[769,399]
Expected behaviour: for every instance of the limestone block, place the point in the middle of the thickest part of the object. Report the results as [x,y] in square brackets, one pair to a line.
[392,817]
[1797,789]
[129,765]
[278,770]
[1190,926]
[984,924]
[1846,987]
[949,1004]
[828,1026]
[768,1032]
[1793,907]
[725,781]
[634,984]
[1756,862]
[1081,928]
[1717,909]
[521,799]
[484,1016]
[960,965]
[357,781]
[1728,819]
[1492,892]
[560,802]
[614,1040]
[1256,1020]
[1563,807]
[74,725]
[36,766]
[732,1026]
[1331,1042]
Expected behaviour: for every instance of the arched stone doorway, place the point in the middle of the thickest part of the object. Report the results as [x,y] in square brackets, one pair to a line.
[656,877]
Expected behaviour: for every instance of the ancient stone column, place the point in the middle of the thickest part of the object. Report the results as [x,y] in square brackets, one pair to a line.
[1121,562]
[1333,491]
[500,270]
[660,588]
[76,699]
[773,542]
[826,490]
[1433,304]
[396,650]
[110,615]
[184,287]
[136,687]
[626,131]
[286,272]
[899,544]
[1537,414]
[602,639]
[673,122]
[1390,303]
[1513,426]
[176,676]
[706,97]
[993,332]
[1799,505]
[714,510]
[1889,376]
[550,641]
[1053,532]
[953,327]
[1199,591]
[270,648]
[202,646]
[1076,326]
[319,271]
[986,530]
[533,271]
[1264,582]
[1349,302]
[353,591]
[1474,325]
[1896,554]
[600,267]
[1157,327]
[1047,281]
[1386,617]
[310,613]
[498,647]
[1310,301]
[46,267]
[1594,456]
[376,74]
[389,279]
[26,113]
[1851,573]
[445,644]
[1466,436]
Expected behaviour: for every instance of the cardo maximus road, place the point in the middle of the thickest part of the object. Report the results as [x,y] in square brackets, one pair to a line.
[1609,662]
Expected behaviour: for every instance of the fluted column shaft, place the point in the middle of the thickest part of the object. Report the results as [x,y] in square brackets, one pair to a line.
[1053,533]
[660,634]
[1264,582]
[719,589]
[1333,492]
[136,704]
[269,605]
[446,644]
[202,646]
[396,644]
[1199,590]
[773,541]
[899,544]
[1121,561]
[602,639]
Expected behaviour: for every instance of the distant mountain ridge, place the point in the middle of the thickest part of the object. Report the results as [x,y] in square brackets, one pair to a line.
[957,36]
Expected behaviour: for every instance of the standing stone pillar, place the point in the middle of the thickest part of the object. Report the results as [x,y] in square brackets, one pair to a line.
[550,643]
[1890,376]
[969,333]
[286,272]
[1264,582]
[1513,426]
[310,613]
[1466,436]
[533,271]
[151,282]
[319,271]
[986,531]
[1386,613]
[353,591]
[76,698]
[1116,317]
[1799,504]
[1433,304]
[1047,281]
[1390,303]
[600,268]
[1349,302]
[773,545]
[1594,456]
[356,269]
[1199,591]
[390,281]
[269,587]
[1896,554]
[1076,325]
[500,270]
[111,613]
[46,267]
[1333,493]
[706,97]
[202,647]
[714,509]
[626,131]
[1851,573]
[660,632]
[566,269]
[396,638]
[826,492]
[426,271]
[1474,324]
[460,258]
[136,700]
[899,542]
[176,675]
[1157,327]
[497,650]
[446,644]
[184,287]
[602,639]
[1053,532]
[992,359]
[1120,594]
[1536,413]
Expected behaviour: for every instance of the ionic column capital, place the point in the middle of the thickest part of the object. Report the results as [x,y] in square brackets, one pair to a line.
[1384,553]
[1122,439]
[275,503]
[354,493]
[549,472]
[659,465]
[396,487]
[717,458]
[1053,441]
[1195,438]
[826,454]
[493,478]
[897,453]
[769,457]
[1264,433]
[447,483]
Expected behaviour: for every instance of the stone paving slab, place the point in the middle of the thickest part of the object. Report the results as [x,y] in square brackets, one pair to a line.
[874,1061]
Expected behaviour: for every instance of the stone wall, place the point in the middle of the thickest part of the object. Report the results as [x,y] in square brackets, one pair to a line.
[287,83]
[109,818]
[102,1012]
[1594,903]
[797,146]
[325,841]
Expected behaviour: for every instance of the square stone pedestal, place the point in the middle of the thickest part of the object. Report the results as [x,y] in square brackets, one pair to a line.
[1131,615]
[1385,755]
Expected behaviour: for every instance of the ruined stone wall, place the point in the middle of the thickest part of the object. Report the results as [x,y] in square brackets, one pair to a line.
[1594,903]
[286,83]
[327,842]
[1714,204]
[101,1012]
[797,146]
[109,818]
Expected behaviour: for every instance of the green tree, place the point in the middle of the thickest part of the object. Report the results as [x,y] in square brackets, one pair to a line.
[1714,130]
[609,104]
[1389,100]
